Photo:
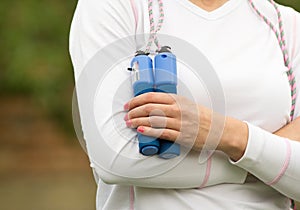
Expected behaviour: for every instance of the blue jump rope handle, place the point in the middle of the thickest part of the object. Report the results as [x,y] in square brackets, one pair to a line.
[143,82]
[166,81]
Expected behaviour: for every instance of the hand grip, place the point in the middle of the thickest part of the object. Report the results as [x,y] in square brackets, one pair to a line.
[166,81]
[142,82]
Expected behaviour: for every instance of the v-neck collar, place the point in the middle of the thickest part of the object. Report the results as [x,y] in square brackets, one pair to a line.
[225,9]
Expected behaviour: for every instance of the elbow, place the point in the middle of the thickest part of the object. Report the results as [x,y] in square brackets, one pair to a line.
[109,178]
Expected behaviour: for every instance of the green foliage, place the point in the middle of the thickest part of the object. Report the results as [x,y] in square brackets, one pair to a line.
[34,53]
[34,44]
[292,3]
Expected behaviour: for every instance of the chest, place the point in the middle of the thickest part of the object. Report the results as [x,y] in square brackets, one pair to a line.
[245,57]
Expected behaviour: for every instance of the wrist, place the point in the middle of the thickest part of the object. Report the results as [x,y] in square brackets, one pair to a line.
[234,138]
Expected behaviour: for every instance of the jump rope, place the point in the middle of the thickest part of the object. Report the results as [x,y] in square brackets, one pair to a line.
[162,77]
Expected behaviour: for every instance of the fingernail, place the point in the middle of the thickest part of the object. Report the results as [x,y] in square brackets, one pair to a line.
[128,123]
[126,117]
[126,107]
[141,129]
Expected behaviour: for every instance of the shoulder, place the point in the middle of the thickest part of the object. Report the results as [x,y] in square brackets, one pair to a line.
[286,10]
[289,16]
[98,8]
[97,23]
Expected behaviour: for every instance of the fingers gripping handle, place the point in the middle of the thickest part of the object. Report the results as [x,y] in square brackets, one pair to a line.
[142,82]
[163,78]
[166,81]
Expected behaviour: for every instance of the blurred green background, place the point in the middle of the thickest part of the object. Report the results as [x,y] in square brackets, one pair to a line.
[42,165]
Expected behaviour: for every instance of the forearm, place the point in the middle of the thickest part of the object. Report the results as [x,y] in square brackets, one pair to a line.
[125,166]
[189,173]
[271,158]
[235,135]
[274,160]
[234,138]
[291,130]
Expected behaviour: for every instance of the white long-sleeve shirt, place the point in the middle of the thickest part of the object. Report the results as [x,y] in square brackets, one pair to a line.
[242,52]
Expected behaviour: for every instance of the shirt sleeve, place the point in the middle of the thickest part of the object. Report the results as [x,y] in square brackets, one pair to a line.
[114,156]
[273,159]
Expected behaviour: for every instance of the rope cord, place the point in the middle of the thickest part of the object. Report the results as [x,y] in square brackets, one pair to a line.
[153,30]
[280,35]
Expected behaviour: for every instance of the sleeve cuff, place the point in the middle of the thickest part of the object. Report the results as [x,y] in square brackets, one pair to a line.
[267,156]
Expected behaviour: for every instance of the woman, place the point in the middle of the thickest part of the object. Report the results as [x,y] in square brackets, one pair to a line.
[255,165]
